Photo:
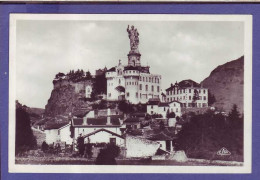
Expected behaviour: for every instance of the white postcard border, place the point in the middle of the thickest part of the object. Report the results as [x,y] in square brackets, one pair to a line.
[246,168]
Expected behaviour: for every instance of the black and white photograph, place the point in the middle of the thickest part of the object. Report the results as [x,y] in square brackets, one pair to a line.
[133,93]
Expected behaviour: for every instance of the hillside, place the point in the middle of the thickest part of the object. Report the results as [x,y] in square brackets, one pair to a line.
[226,83]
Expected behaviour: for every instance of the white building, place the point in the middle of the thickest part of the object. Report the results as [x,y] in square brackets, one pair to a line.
[188,93]
[156,107]
[58,133]
[132,82]
[103,129]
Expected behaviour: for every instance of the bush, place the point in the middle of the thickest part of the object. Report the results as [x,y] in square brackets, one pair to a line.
[45,146]
[80,145]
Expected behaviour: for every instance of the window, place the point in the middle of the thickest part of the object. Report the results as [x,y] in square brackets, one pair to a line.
[136,95]
[129,71]
[119,81]
[146,87]
[109,94]
[112,140]
[183,97]
[140,95]
[189,97]
[204,91]
[146,79]
[205,98]
[143,79]
[158,88]
[149,79]
[58,132]
[127,94]
[151,112]
[189,90]
[176,109]
[164,109]
[152,88]
[151,106]
[140,86]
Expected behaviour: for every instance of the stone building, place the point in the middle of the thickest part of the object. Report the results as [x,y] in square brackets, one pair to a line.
[132,82]
[188,93]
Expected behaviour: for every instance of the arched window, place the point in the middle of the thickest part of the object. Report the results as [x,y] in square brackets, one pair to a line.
[119,81]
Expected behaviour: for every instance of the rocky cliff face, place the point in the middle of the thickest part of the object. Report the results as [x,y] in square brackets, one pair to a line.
[226,83]
[65,100]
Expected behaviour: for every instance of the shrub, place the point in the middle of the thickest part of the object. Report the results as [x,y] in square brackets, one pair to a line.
[45,146]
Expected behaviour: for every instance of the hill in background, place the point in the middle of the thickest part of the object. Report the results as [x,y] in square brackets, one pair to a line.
[226,83]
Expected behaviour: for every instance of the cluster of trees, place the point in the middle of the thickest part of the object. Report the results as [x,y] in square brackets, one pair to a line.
[24,138]
[75,76]
[207,133]
[127,107]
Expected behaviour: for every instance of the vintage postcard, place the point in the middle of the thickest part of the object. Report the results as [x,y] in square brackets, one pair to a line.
[121,93]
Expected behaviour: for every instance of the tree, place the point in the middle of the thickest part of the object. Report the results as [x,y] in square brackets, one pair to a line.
[206,133]
[45,146]
[88,153]
[170,115]
[162,126]
[88,75]
[80,145]
[24,138]
[234,118]
[211,98]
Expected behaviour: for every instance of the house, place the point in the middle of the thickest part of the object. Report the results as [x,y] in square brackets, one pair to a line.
[175,106]
[165,137]
[104,136]
[58,132]
[156,107]
[189,93]
[132,123]
[86,125]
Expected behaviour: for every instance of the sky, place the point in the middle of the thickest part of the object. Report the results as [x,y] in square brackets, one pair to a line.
[176,50]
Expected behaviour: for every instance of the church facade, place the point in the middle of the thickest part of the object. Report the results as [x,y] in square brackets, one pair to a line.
[132,82]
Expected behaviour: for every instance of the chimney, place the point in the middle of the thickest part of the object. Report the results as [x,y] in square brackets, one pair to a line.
[108,117]
[85,121]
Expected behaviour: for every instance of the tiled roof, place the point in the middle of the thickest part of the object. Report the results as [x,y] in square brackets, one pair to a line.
[132,120]
[100,121]
[105,130]
[161,135]
[163,104]
[140,114]
[54,126]
[111,69]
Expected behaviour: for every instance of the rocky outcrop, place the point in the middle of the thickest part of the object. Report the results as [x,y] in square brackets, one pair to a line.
[65,100]
[226,83]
